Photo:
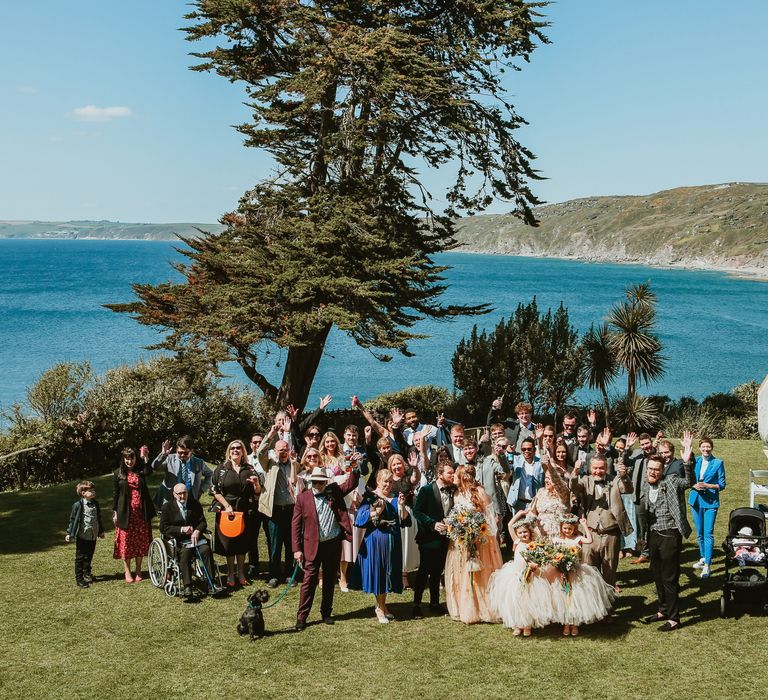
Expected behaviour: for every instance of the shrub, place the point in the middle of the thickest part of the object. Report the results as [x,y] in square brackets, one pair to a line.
[428,400]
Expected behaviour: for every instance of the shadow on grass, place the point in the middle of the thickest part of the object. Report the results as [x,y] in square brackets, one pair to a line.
[36,520]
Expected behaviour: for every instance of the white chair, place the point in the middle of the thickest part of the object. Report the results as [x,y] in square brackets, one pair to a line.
[758,485]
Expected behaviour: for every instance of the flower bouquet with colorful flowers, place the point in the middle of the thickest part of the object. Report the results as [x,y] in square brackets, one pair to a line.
[540,553]
[467,528]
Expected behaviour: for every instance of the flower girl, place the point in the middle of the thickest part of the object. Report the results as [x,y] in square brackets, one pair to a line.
[581,596]
[517,592]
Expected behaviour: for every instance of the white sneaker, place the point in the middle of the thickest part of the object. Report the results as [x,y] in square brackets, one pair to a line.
[705,571]
[700,564]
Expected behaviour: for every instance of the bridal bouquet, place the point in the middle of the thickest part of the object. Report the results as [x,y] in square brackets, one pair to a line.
[564,559]
[467,528]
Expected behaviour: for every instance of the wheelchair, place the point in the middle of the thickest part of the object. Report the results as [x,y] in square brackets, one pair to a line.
[165,570]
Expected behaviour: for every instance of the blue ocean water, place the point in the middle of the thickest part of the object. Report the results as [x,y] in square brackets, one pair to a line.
[713,327]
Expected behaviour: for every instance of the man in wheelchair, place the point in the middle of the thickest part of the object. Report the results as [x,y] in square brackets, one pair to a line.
[183,520]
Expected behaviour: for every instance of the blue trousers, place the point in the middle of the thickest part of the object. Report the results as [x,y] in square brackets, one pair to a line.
[704,521]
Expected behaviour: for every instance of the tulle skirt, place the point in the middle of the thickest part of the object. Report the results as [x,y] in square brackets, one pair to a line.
[588,599]
[520,601]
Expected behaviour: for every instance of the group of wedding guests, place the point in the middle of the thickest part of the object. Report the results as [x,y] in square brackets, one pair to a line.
[381,511]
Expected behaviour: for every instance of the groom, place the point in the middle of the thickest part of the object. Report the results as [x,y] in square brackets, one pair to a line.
[433,503]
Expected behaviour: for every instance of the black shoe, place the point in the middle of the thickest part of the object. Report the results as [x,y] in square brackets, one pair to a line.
[273,583]
[187,592]
[668,627]
[650,619]
[417,612]
[88,578]
[329,620]
[300,625]
[252,571]
[438,609]
[82,584]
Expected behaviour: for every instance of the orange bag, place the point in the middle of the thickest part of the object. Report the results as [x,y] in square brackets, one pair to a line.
[231,524]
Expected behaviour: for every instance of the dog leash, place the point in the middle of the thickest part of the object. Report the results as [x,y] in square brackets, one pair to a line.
[287,588]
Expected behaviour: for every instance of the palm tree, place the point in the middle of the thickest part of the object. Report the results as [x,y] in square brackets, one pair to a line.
[633,340]
[599,366]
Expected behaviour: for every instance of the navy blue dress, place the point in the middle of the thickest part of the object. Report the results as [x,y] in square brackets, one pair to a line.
[379,565]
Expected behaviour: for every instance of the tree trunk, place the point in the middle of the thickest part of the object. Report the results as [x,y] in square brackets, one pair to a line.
[606,408]
[300,369]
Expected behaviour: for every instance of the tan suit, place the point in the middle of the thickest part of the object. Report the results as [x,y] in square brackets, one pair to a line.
[607,521]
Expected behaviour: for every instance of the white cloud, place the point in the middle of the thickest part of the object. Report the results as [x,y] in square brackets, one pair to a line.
[91,113]
[26,89]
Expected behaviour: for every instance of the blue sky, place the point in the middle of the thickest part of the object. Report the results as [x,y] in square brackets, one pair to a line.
[101,119]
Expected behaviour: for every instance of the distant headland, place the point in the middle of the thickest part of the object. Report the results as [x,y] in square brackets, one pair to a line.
[718,227]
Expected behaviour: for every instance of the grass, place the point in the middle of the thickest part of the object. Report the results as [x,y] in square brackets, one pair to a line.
[122,641]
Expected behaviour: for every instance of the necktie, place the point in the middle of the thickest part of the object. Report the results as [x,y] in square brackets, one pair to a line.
[183,474]
[449,490]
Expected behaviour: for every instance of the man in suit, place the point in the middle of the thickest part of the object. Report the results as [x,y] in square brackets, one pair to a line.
[456,446]
[637,464]
[183,520]
[181,467]
[433,503]
[490,471]
[672,466]
[602,449]
[276,502]
[664,500]
[578,451]
[600,503]
[319,524]
[527,476]
[516,430]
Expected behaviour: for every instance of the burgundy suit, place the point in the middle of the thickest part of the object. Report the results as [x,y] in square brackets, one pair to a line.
[305,538]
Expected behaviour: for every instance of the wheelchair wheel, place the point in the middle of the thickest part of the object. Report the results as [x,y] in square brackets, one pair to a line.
[157,562]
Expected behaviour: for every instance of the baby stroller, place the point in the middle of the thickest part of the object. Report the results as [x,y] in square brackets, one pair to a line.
[745,551]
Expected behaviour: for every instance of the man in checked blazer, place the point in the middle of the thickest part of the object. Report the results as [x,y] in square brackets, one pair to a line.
[664,500]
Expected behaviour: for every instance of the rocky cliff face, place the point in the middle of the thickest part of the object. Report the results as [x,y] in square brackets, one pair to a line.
[715,226]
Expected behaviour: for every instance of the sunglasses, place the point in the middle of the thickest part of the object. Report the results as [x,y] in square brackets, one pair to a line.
[527,449]
[236,448]
[313,434]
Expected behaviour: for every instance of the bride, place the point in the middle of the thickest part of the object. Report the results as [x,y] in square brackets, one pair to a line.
[466,586]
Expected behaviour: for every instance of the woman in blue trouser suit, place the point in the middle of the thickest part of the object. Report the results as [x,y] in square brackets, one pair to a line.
[708,481]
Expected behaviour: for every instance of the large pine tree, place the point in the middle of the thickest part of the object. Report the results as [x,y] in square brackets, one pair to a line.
[350,98]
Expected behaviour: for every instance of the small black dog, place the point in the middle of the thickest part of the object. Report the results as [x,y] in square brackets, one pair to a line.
[252,620]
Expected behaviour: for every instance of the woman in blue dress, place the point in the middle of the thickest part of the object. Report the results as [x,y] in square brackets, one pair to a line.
[379,564]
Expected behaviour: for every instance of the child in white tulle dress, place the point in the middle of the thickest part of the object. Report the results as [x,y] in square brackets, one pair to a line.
[517,592]
[588,598]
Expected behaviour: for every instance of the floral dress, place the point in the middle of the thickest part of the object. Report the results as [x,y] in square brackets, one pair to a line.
[133,542]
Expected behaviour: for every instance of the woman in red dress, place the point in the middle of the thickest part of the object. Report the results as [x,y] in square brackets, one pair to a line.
[132,510]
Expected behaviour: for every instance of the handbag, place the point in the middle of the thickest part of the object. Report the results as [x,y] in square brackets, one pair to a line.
[232,524]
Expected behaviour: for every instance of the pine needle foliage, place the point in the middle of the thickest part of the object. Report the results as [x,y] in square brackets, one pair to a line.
[349,98]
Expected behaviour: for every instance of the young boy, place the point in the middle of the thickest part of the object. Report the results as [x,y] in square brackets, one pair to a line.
[84,527]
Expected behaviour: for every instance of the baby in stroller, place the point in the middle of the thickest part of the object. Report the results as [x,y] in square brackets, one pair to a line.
[746,549]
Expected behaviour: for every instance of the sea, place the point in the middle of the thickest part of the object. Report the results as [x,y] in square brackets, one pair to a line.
[714,327]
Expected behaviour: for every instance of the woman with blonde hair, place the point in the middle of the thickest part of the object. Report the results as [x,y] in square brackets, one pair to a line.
[379,561]
[405,480]
[235,484]
[467,573]
[331,454]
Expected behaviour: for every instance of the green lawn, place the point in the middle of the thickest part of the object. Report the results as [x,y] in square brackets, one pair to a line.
[131,641]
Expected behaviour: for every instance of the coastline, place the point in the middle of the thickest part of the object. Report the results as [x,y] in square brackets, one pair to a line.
[729,268]
[751,272]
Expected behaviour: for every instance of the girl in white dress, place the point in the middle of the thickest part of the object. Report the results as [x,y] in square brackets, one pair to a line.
[589,598]
[517,592]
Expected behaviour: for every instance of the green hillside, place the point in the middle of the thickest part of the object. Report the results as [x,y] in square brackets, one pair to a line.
[101,229]
[725,226]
